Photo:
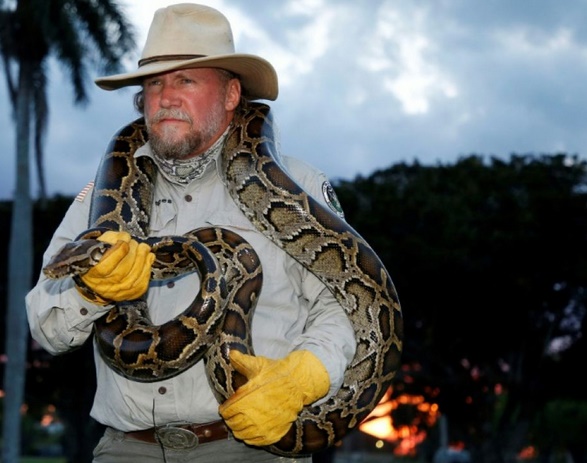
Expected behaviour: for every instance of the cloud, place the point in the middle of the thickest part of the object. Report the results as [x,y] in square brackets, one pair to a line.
[366,84]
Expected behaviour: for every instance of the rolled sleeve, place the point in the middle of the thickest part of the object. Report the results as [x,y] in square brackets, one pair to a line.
[329,333]
[59,318]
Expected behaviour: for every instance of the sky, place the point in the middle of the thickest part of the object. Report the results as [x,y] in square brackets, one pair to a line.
[366,84]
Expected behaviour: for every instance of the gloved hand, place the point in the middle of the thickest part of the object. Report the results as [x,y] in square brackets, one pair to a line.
[123,272]
[262,411]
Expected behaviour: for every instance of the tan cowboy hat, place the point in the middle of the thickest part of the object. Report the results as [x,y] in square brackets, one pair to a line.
[186,36]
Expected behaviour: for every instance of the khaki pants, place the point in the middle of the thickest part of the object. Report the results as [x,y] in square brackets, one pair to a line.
[115,447]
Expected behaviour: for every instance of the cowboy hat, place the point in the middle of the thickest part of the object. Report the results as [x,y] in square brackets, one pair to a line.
[187,35]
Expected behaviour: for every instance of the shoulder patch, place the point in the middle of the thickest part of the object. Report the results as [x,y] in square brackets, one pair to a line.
[82,194]
[332,199]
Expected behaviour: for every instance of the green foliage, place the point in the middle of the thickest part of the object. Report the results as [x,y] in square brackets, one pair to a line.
[489,258]
[561,424]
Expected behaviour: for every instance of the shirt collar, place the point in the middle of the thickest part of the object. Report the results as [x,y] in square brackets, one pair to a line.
[183,172]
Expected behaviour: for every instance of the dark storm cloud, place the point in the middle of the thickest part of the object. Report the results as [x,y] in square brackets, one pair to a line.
[366,84]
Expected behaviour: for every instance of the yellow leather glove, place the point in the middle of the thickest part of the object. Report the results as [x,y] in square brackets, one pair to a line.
[123,272]
[262,411]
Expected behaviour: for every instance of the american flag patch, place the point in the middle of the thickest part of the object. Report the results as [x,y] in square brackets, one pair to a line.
[82,194]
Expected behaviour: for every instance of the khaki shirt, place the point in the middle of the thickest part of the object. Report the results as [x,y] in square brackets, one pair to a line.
[295,310]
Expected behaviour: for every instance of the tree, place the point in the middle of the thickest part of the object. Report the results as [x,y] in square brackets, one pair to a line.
[489,260]
[490,263]
[79,34]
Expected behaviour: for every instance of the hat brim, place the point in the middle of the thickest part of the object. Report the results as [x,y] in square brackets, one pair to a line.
[258,77]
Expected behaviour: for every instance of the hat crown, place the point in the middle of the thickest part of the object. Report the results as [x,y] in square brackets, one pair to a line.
[189,36]
[188,29]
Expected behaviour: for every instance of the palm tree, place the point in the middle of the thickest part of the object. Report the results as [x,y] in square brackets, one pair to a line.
[79,34]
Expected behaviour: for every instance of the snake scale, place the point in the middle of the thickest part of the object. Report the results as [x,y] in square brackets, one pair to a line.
[280,209]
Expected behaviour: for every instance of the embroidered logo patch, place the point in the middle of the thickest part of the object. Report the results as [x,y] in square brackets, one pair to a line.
[332,199]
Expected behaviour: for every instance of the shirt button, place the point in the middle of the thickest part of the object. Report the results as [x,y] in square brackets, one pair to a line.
[188,198]
[83,311]
[162,390]
[171,284]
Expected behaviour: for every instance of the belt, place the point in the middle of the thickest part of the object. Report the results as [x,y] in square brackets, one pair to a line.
[185,436]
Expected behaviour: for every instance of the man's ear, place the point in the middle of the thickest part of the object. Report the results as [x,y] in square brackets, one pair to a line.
[233,94]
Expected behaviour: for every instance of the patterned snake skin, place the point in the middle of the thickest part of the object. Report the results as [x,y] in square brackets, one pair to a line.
[276,205]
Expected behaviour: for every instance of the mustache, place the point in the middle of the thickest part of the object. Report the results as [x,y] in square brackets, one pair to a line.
[170,114]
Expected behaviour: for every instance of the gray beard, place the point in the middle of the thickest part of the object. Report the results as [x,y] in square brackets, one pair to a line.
[182,149]
[165,146]
[166,149]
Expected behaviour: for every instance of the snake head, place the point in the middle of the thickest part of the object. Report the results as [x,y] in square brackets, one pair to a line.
[75,258]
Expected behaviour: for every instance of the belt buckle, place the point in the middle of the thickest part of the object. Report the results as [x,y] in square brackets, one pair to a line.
[176,438]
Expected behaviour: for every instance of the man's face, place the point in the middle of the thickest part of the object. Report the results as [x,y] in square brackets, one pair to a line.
[187,110]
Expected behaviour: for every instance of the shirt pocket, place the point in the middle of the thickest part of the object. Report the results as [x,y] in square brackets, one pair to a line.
[163,218]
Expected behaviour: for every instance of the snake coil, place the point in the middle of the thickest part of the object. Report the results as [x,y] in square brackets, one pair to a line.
[305,229]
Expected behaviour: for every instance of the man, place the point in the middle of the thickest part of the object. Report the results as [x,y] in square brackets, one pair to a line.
[192,83]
